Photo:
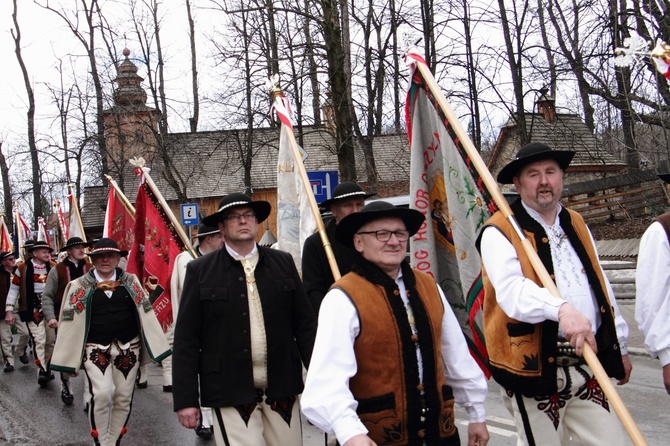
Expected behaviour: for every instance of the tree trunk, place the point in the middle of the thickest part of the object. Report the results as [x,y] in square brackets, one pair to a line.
[193,121]
[6,189]
[32,145]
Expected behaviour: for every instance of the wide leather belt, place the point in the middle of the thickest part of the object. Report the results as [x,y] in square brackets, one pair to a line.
[566,355]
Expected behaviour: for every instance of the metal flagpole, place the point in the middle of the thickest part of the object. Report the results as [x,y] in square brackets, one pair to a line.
[545,278]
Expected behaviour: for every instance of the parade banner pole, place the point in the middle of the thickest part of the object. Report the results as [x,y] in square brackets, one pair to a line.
[124,200]
[75,209]
[168,212]
[545,278]
[321,229]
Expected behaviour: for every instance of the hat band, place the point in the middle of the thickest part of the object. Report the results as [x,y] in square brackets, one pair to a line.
[350,194]
[202,234]
[105,249]
[234,203]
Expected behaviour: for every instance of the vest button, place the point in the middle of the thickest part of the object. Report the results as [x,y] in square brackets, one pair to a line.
[419,387]
[602,309]
[396,292]
[550,360]
[553,276]
[545,240]
[415,337]
[422,433]
[615,347]
[241,279]
[243,296]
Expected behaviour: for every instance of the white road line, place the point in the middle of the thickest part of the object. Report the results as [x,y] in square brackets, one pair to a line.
[496,430]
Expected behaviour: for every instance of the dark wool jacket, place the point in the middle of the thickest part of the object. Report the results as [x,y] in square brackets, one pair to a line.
[5,283]
[212,344]
[317,276]
[387,385]
[522,356]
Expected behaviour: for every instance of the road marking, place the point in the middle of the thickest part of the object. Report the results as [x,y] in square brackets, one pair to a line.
[497,430]
[501,420]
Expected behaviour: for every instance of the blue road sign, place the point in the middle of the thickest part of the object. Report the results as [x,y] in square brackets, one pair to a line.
[323,182]
[190,215]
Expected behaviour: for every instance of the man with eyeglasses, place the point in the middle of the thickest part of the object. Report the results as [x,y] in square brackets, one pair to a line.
[244,329]
[390,359]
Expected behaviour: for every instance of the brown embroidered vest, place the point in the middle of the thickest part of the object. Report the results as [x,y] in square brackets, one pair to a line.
[522,356]
[386,384]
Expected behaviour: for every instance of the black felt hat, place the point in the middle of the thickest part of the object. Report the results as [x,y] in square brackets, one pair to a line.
[106,245]
[345,190]
[39,244]
[4,255]
[349,225]
[236,200]
[534,151]
[74,241]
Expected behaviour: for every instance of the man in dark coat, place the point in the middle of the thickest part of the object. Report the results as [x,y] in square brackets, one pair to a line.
[317,277]
[244,329]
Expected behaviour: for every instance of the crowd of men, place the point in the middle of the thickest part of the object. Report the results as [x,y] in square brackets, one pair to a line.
[386,360]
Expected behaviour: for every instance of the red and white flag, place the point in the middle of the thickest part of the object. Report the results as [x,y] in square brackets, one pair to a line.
[154,248]
[62,223]
[23,232]
[119,221]
[295,221]
[42,235]
[450,193]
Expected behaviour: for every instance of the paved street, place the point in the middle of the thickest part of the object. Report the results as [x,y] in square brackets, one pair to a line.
[33,416]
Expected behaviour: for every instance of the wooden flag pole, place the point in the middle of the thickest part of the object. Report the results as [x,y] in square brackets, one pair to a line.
[124,200]
[19,231]
[312,201]
[547,282]
[168,212]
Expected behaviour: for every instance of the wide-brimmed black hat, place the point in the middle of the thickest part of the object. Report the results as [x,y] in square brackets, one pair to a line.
[205,230]
[534,151]
[349,225]
[236,200]
[665,177]
[39,244]
[74,241]
[28,243]
[5,255]
[345,190]
[106,245]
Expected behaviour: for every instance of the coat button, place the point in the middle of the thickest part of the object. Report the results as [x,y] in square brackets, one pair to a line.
[422,433]
[396,292]
[241,279]
[243,296]
[415,337]
[545,240]
[419,387]
[602,309]
[550,360]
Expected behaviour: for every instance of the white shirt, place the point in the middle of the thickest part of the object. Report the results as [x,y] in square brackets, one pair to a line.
[14,290]
[327,401]
[652,299]
[99,279]
[522,299]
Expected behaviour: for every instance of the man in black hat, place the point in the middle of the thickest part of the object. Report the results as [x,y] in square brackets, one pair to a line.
[652,290]
[8,264]
[72,267]
[348,197]
[244,329]
[209,239]
[534,339]
[390,359]
[108,328]
[27,288]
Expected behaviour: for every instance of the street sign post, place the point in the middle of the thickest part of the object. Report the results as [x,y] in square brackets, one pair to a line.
[190,215]
[323,183]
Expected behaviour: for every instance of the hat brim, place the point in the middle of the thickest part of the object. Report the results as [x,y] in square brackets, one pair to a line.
[326,204]
[261,209]
[349,225]
[507,174]
[31,248]
[121,252]
[84,244]
[205,234]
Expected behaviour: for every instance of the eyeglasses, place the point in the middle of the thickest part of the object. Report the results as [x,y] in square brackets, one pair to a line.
[236,217]
[385,236]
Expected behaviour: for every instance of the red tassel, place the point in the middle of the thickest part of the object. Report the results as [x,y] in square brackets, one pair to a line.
[94,433]
[124,430]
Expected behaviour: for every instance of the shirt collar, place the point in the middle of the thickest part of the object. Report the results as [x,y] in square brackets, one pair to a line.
[100,279]
[537,217]
[235,255]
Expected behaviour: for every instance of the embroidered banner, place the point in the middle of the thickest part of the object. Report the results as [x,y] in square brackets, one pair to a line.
[456,204]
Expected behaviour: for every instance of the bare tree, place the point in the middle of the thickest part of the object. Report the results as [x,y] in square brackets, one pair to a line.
[193,120]
[32,145]
[6,189]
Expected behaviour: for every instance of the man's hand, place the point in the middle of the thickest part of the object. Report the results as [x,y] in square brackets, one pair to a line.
[360,440]
[666,377]
[9,317]
[53,323]
[627,367]
[189,416]
[577,328]
[478,434]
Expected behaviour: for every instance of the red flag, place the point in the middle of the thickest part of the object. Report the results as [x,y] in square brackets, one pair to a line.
[5,238]
[62,222]
[153,252]
[450,193]
[119,222]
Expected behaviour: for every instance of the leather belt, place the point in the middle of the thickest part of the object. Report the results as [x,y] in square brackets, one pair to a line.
[566,356]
